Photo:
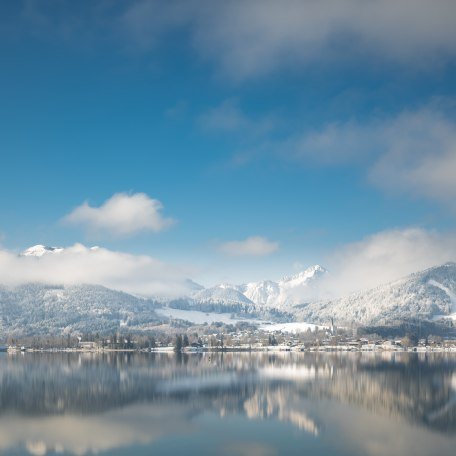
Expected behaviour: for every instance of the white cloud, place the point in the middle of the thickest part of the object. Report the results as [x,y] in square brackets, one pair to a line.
[336,143]
[387,256]
[420,156]
[140,274]
[245,39]
[121,215]
[248,38]
[413,152]
[252,246]
[253,37]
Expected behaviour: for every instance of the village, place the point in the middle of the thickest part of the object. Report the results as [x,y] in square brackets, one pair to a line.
[242,338]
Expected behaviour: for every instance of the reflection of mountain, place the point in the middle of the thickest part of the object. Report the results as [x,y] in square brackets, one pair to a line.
[277,404]
[408,387]
[419,389]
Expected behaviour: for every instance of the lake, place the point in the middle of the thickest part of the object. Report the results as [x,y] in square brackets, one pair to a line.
[257,404]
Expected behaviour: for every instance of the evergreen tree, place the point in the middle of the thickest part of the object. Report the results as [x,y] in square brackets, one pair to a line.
[178,344]
[152,342]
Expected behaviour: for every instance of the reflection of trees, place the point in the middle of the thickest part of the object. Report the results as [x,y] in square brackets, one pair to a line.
[419,388]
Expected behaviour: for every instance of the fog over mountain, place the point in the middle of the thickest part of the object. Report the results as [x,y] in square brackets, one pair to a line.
[63,308]
[137,274]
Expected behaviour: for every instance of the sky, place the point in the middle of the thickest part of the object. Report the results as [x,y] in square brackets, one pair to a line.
[229,141]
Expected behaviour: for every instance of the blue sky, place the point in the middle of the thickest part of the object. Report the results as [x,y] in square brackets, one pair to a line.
[308,126]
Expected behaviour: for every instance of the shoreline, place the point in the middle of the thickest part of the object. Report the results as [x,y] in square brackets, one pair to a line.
[280,349]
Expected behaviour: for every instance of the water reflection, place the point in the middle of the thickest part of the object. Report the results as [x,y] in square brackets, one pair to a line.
[387,403]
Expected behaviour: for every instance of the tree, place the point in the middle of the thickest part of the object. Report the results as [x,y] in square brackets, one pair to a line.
[178,343]
[410,340]
[185,341]
[152,342]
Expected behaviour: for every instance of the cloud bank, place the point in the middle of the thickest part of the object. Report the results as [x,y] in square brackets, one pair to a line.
[387,256]
[245,39]
[412,153]
[419,156]
[249,38]
[121,215]
[138,274]
[251,246]
[377,259]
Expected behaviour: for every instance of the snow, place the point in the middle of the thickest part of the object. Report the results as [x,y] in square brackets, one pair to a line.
[197,317]
[221,294]
[429,294]
[48,309]
[40,250]
[293,328]
[288,291]
[414,296]
[450,294]
[304,276]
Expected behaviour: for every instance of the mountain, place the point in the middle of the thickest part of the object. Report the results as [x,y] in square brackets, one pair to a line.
[265,299]
[287,292]
[425,295]
[218,299]
[40,250]
[54,310]
[221,294]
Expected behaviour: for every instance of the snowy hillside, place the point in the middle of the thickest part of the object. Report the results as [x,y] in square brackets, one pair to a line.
[221,299]
[221,295]
[427,295]
[42,309]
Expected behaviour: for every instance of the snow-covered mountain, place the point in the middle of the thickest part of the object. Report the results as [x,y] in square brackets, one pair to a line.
[287,292]
[425,295]
[54,310]
[40,250]
[265,299]
[221,294]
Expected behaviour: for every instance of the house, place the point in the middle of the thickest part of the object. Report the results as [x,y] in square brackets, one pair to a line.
[88,345]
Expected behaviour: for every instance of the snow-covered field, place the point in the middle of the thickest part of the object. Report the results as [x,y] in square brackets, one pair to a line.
[197,317]
[293,328]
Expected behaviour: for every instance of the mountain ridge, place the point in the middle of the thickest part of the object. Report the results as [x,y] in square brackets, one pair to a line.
[428,295]
[425,295]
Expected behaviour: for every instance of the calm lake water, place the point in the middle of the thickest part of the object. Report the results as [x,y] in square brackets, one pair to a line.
[228,404]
